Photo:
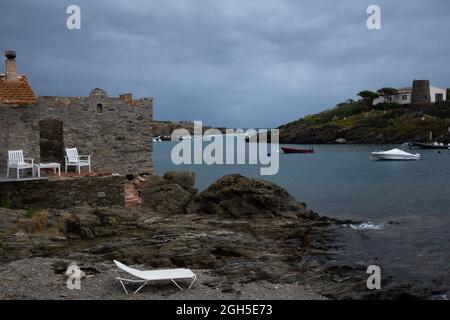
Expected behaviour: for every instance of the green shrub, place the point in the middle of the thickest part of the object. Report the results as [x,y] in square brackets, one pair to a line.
[6,202]
[440,110]
[113,221]
[386,106]
[336,113]
[30,213]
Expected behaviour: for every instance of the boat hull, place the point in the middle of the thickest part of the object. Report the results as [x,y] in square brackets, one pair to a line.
[296,150]
[421,145]
[381,156]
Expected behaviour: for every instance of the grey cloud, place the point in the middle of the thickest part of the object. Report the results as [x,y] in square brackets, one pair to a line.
[228,62]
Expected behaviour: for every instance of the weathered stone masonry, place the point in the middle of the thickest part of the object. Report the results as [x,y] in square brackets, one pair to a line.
[116,131]
[118,135]
[95,191]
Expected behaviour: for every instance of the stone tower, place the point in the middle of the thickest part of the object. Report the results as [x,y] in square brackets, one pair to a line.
[421,91]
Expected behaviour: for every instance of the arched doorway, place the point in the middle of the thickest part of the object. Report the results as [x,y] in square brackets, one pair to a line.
[51,140]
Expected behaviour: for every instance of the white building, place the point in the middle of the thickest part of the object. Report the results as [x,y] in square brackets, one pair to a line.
[438,94]
[421,91]
[403,96]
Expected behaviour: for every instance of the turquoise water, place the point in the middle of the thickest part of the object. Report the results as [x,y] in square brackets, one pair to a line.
[342,182]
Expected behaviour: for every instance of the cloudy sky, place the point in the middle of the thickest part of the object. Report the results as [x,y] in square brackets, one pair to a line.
[237,63]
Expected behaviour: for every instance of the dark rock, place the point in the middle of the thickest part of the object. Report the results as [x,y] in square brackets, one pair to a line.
[212,283]
[244,230]
[169,194]
[184,179]
[60,267]
[237,196]
[228,289]
[102,248]
[165,197]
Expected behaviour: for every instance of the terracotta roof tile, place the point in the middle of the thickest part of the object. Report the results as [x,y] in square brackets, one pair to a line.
[17,93]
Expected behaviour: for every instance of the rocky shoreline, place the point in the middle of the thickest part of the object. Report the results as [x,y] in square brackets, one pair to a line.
[352,123]
[247,239]
[43,278]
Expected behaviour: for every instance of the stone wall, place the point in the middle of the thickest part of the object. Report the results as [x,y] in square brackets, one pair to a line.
[96,191]
[115,131]
[421,92]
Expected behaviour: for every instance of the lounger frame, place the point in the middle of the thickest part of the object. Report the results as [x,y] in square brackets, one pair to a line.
[124,280]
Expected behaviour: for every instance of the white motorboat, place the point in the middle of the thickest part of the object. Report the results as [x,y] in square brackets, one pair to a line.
[395,154]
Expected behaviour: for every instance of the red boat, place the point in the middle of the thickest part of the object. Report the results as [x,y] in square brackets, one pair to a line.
[297,150]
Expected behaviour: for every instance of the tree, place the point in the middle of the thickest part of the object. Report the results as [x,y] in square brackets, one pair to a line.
[386,92]
[448,94]
[368,97]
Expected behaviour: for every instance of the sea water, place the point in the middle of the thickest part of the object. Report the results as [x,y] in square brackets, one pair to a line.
[400,209]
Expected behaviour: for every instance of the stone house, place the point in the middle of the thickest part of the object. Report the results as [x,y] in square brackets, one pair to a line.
[116,131]
[420,92]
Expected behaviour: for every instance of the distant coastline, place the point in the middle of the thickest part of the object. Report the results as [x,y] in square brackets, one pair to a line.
[354,123]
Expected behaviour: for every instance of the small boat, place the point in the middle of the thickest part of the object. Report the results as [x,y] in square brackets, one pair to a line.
[434,145]
[297,150]
[395,154]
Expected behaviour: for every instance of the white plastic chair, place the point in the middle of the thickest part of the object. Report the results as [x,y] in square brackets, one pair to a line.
[154,275]
[72,159]
[18,162]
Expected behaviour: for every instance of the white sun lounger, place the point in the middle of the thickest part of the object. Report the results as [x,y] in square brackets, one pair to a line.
[154,275]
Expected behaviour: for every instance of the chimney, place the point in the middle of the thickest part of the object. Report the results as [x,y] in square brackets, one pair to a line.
[10,66]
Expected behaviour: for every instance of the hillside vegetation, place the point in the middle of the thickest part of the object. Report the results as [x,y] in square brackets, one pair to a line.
[354,122]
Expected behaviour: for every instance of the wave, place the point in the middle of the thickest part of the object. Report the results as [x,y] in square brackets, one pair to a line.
[440,297]
[367,226]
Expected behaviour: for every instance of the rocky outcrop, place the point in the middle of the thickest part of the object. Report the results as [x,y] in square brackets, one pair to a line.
[385,124]
[231,196]
[170,193]
[247,248]
[243,230]
[237,196]
[184,179]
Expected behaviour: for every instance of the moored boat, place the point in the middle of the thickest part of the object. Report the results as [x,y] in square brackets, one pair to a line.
[297,150]
[434,145]
[395,154]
